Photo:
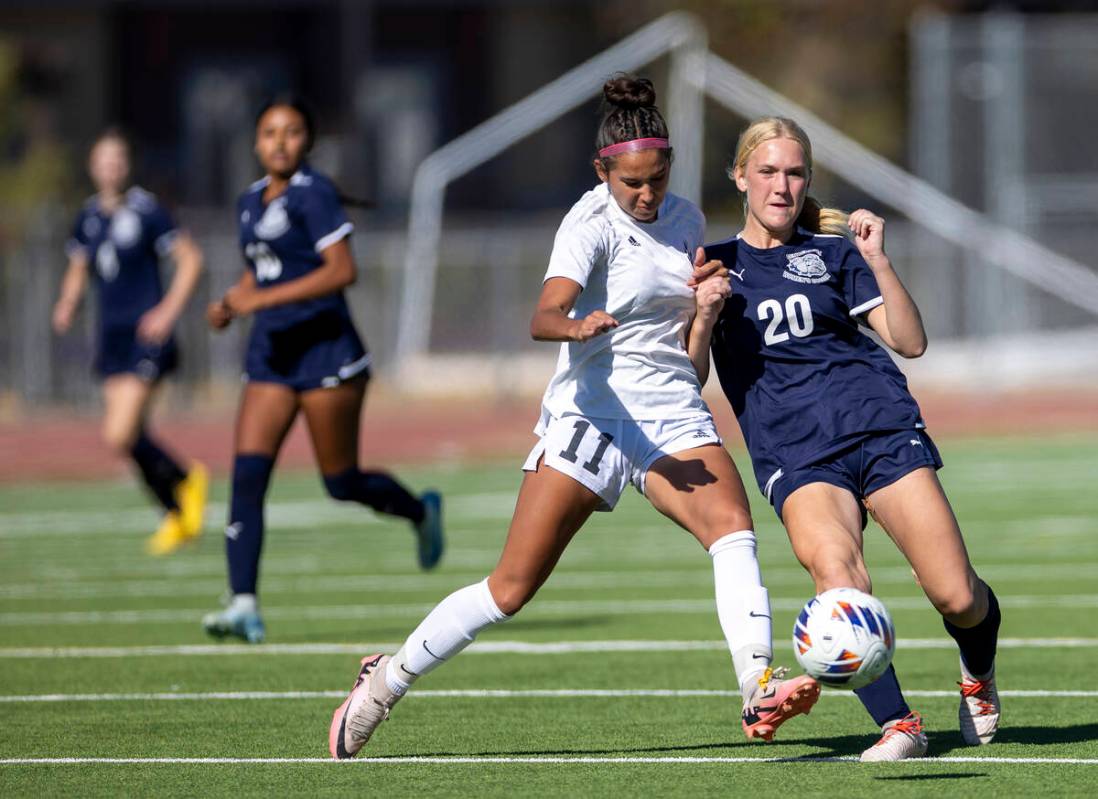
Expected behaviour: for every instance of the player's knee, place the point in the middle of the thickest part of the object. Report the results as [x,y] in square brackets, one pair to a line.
[838,568]
[342,486]
[731,519]
[957,602]
[118,439]
[511,593]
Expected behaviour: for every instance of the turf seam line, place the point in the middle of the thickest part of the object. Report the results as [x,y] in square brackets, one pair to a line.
[479,647]
[554,693]
[536,760]
[548,607]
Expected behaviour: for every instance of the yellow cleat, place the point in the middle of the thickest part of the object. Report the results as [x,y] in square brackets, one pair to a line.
[191,496]
[169,537]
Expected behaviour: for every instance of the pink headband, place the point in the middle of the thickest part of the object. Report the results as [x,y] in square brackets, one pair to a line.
[633,146]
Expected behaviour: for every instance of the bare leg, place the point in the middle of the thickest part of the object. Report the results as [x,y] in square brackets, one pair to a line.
[824,523]
[127,399]
[915,513]
[333,417]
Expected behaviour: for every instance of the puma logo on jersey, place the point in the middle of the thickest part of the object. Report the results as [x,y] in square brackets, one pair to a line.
[738,275]
[916,442]
[634,242]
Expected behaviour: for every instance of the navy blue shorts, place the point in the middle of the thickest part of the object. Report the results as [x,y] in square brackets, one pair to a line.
[120,352]
[868,465]
[318,353]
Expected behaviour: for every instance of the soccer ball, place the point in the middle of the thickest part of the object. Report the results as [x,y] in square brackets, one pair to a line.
[844,638]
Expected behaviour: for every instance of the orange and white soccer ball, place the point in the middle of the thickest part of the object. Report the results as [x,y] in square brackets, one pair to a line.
[844,638]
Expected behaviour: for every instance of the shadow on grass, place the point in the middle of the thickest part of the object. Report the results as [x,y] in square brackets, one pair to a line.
[1042,736]
[843,746]
[918,777]
[739,748]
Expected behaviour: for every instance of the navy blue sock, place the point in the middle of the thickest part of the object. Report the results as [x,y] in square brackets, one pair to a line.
[160,472]
[375,489]
[883,698]
[978,644]
[244,535]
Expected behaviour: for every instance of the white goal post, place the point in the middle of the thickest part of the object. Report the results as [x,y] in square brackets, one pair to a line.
[694,73]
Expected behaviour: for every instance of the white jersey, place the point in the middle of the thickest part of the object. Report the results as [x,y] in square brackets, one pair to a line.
[637,273]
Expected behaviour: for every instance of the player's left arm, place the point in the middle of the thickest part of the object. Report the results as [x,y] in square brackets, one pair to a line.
[896,320]
[709,296]
[336,273]
[157,324]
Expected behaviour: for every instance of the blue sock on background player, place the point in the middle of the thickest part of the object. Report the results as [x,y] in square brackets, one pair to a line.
[883,698]
[977,644]
[244,535]
[160,472]
[376,490]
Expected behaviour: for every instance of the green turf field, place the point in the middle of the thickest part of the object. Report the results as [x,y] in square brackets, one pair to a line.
[102,655]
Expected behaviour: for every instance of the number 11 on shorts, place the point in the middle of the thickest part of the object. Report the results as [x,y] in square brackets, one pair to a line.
[570,453]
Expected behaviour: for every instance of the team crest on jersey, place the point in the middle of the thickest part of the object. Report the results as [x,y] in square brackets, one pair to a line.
[806,266]
[274,222]
[125,228]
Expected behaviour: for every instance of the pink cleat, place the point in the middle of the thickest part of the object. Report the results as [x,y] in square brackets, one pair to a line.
[775,701]
[363,710]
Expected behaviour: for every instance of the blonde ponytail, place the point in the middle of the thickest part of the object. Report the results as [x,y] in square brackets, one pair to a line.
[815,218]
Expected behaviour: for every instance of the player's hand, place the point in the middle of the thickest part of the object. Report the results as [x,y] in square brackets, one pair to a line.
[155,325]
[868,230]
[705,269]
[594,324]
[218,315]
[63,315]
[242,299]
[710,296]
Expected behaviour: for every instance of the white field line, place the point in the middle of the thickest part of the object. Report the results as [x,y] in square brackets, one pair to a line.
[302,514]
[554,693]
[548,607]
[458,760]
[307,514]
[410,583]
[477,648]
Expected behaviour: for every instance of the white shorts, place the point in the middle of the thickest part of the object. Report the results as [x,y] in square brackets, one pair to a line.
[606,455]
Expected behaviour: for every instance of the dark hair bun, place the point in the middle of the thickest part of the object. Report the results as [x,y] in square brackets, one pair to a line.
[627,91]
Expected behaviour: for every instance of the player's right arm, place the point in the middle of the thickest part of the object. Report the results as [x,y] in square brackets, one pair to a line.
[73,286]
[551,321]
[218,312]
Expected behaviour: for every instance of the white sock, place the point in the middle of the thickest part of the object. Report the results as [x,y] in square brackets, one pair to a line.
[743,606]
[244,603]
[447,630]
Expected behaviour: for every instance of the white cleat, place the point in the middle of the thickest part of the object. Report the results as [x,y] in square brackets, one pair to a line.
[980,708]
[903,739]
[363,710]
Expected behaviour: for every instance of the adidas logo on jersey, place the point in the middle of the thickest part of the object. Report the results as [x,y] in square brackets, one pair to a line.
[634,242]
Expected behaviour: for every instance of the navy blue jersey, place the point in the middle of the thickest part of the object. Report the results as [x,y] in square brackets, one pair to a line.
[282,241]
[802,378]
[123,250]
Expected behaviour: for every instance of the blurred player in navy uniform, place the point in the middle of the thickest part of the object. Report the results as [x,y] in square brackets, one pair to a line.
[119,238]
[624,407]
[828,419]
[303,355]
